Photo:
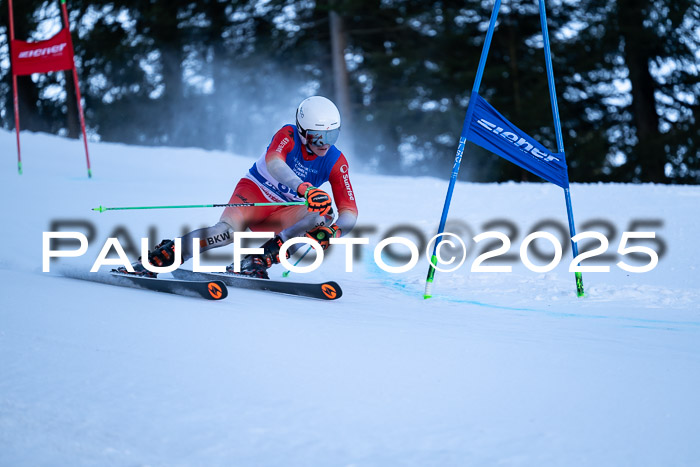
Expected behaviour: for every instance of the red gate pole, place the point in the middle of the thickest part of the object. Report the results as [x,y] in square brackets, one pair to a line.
[14,89]
[77,87]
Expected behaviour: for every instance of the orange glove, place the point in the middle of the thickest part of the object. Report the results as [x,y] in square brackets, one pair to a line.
[317,200]
[323,234]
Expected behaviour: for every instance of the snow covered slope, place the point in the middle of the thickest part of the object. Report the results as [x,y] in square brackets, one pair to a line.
[497,369]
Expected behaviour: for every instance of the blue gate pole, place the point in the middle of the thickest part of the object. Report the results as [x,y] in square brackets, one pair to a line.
[460,147]
[560,139]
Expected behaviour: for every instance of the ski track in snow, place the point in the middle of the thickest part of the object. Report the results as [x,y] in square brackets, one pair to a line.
[496,369]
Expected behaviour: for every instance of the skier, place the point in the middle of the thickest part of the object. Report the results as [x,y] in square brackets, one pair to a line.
[299,159]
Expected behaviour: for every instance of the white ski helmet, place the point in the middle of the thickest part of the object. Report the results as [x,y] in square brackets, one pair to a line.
[318,121]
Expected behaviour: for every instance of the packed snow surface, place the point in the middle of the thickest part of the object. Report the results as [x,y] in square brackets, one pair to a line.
[496,369]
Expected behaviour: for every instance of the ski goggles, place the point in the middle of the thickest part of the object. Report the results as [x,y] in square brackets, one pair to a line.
[322,137]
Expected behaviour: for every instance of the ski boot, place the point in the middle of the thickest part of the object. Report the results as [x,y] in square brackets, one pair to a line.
[163,255]
[257,265]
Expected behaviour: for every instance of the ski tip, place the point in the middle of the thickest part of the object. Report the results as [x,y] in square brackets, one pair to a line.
[217,290]
[331,290]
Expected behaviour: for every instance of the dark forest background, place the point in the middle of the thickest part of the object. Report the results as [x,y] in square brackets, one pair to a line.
[226,74]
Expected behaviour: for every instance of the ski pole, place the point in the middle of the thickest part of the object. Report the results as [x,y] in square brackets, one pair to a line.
[286,273]
[231,205]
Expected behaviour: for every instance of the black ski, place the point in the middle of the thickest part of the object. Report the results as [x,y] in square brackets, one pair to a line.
[208,289]
[323,291]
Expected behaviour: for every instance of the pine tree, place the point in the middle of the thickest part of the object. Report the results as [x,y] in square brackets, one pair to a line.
[632,76]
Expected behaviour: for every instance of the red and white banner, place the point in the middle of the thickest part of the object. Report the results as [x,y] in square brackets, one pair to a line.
[53,54]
